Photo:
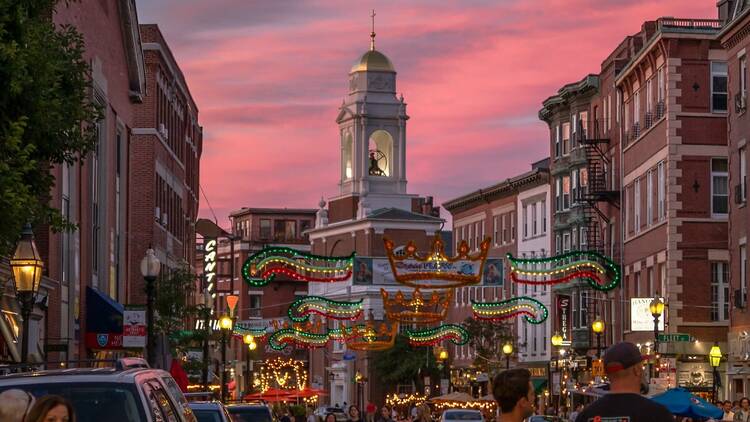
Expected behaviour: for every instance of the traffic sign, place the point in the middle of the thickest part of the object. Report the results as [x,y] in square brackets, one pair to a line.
[674,338]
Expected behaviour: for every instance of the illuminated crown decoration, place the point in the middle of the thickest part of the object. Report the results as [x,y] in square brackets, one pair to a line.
[371,338]
[533,310]
[600,272]
[302,308]
[456,334]
[262,267]
[416,310]
[436,270]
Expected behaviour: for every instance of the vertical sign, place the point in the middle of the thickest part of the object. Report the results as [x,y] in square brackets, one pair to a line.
[134,328]
[209,266]
[563,318]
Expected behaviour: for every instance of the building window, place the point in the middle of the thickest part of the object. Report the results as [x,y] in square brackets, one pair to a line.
[743,272]
[565,138]
[660,89]
[650,281]
[254,307]
[719,291]
[557,141]
[637,283]
[583,309]
[743,81]
[558,243]
[636,108]
[583,182]
[505,229]
[583,238]
[477,240]
[718,86]
[533,219]
[660,189]
[743,174]
[494,229]
[265,229]
[566,242]
[525,221]
[637,206]
[512,226]
[719,188]
[558,194]
[566,193]
[649,95]
[649,197]
[304,225]
[663,280]
[544,216]
[574,185]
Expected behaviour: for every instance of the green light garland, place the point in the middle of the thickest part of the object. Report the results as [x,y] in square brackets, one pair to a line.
[533,310]
[300,309]
[456,334]
[262,267]
[599,271]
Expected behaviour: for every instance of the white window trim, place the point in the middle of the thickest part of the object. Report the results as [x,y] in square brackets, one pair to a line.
[719,174]
[711,97]
[637,206]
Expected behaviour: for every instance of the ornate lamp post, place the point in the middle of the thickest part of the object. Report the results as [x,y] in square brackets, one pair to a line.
[225,323]
[27,271]
[150,267]
[714,357]
[598,328]
[657,309]
[507,351]
[251,345]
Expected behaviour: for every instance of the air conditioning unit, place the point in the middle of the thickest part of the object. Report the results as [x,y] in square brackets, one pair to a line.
[740,301]
[157,213]
[164,219]
[163,131]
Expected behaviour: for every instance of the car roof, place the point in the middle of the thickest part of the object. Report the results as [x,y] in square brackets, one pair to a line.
[247,405]
[80,375]
[204,405]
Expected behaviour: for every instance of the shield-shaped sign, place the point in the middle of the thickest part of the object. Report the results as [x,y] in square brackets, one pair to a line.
[102,339]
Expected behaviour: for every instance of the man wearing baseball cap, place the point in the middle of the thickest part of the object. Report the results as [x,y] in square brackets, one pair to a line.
[623,365]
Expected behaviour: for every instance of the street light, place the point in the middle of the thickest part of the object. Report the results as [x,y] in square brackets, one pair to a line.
[598,328]
[657,309]
[225,323]
[251,345]
[557,342]
[27,271]
[150,267]
[714,357]
[507,351]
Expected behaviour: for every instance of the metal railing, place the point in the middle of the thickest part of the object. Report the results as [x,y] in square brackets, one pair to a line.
[689,24]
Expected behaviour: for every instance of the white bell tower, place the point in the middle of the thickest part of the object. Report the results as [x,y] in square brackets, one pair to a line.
[372,127]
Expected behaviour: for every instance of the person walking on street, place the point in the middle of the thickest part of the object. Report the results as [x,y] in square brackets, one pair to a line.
[727,408]
[574,414]
[51,409]
[385,415]
[514,394]
[623,365]
[743,415]
[354,414]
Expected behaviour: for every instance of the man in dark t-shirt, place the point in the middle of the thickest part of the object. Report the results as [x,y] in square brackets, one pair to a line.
[622,362]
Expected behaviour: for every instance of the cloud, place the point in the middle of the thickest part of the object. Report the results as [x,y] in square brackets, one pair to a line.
[268,77]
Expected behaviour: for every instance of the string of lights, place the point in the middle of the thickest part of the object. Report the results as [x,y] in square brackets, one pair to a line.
[454,333]
[262,267]
[302,308]
[532,310]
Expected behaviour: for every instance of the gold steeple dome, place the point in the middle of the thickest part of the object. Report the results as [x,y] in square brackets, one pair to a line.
[373,59]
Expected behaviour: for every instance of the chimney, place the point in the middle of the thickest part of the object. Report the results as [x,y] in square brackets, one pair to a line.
[725,9]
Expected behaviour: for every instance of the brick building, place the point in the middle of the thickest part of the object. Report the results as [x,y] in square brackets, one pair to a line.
[137,188]
[497,212]
[734,38]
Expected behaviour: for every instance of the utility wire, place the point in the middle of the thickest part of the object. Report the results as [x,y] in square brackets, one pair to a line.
[216,219]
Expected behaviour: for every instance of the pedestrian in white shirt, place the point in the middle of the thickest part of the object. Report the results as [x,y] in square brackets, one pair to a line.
[728,414]
[743,415]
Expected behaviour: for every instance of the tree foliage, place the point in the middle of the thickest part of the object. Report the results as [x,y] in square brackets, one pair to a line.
[47,114]
[173,309]
[487,339]
[403,364]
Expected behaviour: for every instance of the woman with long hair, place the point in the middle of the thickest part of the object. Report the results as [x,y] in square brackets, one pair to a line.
[51,409]
[354,414]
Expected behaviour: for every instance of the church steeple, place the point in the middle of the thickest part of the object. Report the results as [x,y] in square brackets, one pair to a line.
[372,123]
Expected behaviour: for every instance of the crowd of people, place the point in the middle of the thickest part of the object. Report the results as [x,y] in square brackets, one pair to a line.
[20,406]
[420,413]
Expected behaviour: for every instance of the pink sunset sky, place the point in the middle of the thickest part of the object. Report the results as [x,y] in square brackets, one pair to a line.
[268,77]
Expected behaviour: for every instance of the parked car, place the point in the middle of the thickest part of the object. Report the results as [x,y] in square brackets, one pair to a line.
[245,412]
[127,392]
[210,411]
[462,415]
[540,418]
[337,412]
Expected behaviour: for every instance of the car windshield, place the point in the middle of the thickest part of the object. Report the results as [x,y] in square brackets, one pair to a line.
[249,414]
[463,416]
[207,415]
[93,402]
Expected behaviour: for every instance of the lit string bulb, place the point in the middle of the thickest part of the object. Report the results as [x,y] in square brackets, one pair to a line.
[533,310]
[262,267]
[302,308]
[397,400]
[600,272]
[287,374]
[456,334]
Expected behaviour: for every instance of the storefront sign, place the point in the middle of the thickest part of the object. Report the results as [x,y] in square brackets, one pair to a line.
[538,372]
[597,368]
[564,306]
[134,328]
[640,316]
[209,266]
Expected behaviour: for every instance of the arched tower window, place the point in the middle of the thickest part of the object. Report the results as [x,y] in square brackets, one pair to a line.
[380,154]
[347,166]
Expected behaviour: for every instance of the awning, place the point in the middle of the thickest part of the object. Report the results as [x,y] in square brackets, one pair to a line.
[539,384]
[103,321]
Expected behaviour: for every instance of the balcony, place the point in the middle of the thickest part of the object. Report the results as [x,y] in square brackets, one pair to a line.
[670,24]
[593,131]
